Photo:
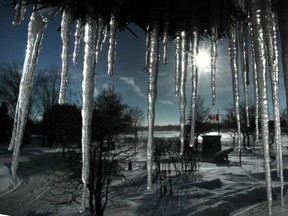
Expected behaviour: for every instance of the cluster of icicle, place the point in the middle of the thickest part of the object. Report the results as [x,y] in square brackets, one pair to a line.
[252,38]
[258,36]
[95,34]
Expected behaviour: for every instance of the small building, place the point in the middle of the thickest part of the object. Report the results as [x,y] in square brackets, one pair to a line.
[211,144]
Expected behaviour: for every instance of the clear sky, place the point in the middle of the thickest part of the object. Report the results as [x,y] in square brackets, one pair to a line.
[129,78]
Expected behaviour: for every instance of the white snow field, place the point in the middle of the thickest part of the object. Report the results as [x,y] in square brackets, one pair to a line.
[225,189]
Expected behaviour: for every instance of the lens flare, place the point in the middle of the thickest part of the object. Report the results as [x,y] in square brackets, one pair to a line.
[203,59]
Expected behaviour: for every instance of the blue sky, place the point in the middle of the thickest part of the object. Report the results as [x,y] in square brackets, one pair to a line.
[129,78]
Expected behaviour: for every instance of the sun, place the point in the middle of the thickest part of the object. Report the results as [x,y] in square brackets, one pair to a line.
[203,59]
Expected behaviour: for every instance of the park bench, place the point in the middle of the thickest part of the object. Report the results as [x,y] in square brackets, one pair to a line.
[222,156]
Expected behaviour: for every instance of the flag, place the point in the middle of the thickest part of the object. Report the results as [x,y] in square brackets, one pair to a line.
[214,117]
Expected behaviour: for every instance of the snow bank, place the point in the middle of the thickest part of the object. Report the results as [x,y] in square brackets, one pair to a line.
[5,178]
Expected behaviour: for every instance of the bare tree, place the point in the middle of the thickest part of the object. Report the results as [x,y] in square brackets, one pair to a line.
[111,117]
[62,126]
[230,120]
[201,112]
[10,77]
[4,123]
[137,115]
[47,88]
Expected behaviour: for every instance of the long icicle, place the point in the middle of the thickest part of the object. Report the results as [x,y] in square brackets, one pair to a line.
[77,40]
[177,44]
[256,92]
[89,65]
[20,9]
[65,37]
[112,45]
[166,27]
[152,94]
[147,50]
[36,29]
[194,44]
[259,45]
[105,35]
[271,41]
[233,54]
[214,38]
[244,66]
[165,42]
[100,27]
[182,99]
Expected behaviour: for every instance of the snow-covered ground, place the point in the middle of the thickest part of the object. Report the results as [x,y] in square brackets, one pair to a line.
[226,189]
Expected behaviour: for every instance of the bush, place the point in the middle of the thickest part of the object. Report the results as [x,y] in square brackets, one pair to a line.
[62,125]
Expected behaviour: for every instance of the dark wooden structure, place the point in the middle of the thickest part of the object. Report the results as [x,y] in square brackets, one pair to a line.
[210,146]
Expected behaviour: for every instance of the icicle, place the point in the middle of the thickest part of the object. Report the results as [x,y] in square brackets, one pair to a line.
[112,45]
[77,36]
[48,13]
[182,101]
[233,53]
[165,42]
[100,25]
[20,12]
[177,42]
[258,38]
[89,65]
[242,43]
[214,38]
[35,33]
[194,53]
[152,94]
[271,41]
[255,80]
[256,93]
[147,52]
[65,36]
[166,7]
[105,35]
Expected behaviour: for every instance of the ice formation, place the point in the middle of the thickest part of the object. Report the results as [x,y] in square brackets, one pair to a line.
[194,43]
[259,48]
[165,42]
[245,67]
[20,9]
[182,90]
[261,26]
[147,50]
[36,27]
[270,30]
[233,52]
[112,45]
[214,38]
[65,36]
[256,90]
[77,41]
[152,94]
[177,44]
